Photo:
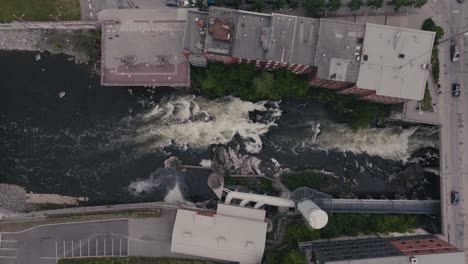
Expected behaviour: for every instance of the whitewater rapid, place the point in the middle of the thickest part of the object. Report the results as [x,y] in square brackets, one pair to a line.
[389,142]
[196,122]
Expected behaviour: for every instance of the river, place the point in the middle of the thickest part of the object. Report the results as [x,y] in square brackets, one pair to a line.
[61,132]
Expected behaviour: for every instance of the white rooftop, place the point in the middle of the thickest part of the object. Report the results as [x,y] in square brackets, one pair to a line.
[395,59]
[224,237]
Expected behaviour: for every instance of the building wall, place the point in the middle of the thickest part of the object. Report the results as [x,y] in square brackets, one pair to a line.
[273,65]
[383,99]
[357,91]
[329,84]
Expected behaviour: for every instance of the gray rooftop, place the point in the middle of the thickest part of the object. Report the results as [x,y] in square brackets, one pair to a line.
[216,46]
[143,47]
[339,44]
[282,38]
[393,60]
[252,35]
[305,40]
[193,40]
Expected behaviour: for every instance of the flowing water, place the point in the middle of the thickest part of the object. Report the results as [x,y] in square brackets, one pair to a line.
[60,132]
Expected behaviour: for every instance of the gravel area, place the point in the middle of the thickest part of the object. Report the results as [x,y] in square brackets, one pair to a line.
[54,41]
[12,198]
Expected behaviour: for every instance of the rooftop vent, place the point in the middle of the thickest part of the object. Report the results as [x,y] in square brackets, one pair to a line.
[401,56]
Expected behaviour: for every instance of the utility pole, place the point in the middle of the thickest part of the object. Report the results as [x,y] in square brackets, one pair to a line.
[22,20]
[57,19]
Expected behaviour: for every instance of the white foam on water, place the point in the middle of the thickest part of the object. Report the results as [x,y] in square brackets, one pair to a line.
[205,163]
[197,122]
[388,143]
[174,195]
[140,186]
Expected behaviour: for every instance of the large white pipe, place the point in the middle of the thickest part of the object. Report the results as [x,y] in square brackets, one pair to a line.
[258,198]
[315,216]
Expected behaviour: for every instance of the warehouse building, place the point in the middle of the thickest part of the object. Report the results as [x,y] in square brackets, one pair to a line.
[372,62]
[143,47]
[233,233]
[421,249]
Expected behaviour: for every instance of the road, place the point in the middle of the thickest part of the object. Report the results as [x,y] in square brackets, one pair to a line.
[453,114]
[121,237]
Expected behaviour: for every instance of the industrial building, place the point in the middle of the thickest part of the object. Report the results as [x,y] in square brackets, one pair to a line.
[421,249]
[372,62]
[142,47]
[233,233]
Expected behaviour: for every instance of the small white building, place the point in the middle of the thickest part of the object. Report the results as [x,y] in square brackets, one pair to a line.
[233,233]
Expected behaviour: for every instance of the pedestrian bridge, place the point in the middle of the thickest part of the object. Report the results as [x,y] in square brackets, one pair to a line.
[366,206]
[371,206]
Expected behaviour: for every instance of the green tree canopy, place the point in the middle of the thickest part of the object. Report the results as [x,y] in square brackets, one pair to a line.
[355,5]
[334,4]
[313,7]
[375,3]
[430,25]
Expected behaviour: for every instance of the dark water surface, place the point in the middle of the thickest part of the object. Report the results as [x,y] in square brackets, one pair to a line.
[97,141]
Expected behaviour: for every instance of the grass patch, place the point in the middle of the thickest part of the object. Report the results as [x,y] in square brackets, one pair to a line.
[306,178]
[70,218]
[131,260]
[259,185]
[48,206]
[426,103]
[39,10]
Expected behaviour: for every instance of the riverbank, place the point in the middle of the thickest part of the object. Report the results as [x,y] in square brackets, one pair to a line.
[58,40]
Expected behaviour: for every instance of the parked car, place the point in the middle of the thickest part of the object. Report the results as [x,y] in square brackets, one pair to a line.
[456,90]
[455,52]
[460,1]
[439,89]
[454,197]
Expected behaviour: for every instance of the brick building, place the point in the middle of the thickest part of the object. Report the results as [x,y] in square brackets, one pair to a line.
[372,62]
[421,249]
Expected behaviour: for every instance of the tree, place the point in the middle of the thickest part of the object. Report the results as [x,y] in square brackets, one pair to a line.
[293,3]
[258,5]
[313,7]
[363,115]
[430,25]
[263,85]
[375,3]
[355,5]
[419,3]
[278,4]
[334,4]
[293,257]
[397,4]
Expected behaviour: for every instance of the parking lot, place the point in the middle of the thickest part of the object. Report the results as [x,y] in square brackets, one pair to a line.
[45,244]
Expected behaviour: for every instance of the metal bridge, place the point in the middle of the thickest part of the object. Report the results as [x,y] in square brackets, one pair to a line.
[366,206]
[371,206]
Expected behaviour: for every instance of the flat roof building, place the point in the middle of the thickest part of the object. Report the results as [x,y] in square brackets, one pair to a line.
[373,62]
[339,50]
[233,233]
[252,35]
[422,249]
[143,47]
[395,61]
